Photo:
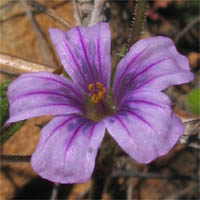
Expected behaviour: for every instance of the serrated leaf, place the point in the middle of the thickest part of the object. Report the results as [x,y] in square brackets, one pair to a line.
[193,101]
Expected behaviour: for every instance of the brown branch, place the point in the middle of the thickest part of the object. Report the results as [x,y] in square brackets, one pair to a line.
[18,66]
[15,158]
[189,189]
[54,192]
[38,32]
[50,12]
[77,14]
[131,173]
[186,29]
[97,14]
[22,14]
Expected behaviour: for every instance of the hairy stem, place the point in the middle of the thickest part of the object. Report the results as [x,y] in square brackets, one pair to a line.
[137,22]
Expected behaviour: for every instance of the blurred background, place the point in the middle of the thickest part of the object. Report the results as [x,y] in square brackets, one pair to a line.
[174,176]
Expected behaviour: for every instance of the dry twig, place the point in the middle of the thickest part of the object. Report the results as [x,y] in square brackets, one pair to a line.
[148,175]
[77,14]
[190,188]
[22,14]
[186,29]
[50,12]
[38,32]
[97,14]
[15,65]
[54,191]
[90,12]
[15,158]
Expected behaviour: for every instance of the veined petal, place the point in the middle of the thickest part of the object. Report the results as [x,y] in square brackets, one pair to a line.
[85,53]
[145,126]
[67,149]
[152,63]
[43,93]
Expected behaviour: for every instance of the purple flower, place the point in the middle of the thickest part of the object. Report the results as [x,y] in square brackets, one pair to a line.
[140,119]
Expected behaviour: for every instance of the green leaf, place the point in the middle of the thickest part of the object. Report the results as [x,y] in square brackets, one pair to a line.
[193,101]
[7,132]
[4,114]
[3,88]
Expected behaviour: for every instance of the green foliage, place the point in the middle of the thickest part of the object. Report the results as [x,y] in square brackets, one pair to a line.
[3,88]
[193,101]
[3,103]
[6,132]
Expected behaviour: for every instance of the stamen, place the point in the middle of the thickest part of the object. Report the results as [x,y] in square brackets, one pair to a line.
[91,87]
[97,92]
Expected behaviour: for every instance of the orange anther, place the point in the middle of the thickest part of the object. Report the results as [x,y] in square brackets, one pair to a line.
[98,91]
[99,85]
[91,87]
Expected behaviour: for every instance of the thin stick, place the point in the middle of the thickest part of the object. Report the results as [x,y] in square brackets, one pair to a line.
[22,14]
[7,6]
[130,189]
[8,73]
[54,192]
[18,66]
[38,32]
[15,158]
[50,12]
[97,13]
[190,188]
[186,29]
[77,14]
[131,173]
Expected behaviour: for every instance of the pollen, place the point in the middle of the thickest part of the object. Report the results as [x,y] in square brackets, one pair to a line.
[97,92]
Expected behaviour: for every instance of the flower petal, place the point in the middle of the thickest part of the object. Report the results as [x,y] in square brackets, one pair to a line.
[67,149]
[43,93]
[146,127]
[85,53]
[152,63]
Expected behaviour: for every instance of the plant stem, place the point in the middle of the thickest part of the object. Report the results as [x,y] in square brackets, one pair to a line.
[50,12]
[103,167]
[15,158]
[98,185]
[137,22]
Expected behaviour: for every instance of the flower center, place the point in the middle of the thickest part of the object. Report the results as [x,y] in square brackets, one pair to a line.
[97,92]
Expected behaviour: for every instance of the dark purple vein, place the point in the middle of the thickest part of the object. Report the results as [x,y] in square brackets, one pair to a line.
[124,126]
[138,116]
[129,65]
[139,74]
[99,53]
[144,102]
[146,69]
[85,53]
[76,63]
[44,93]
[91,132]
[47,78]
[71,140]
[58,127]
[152,79]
